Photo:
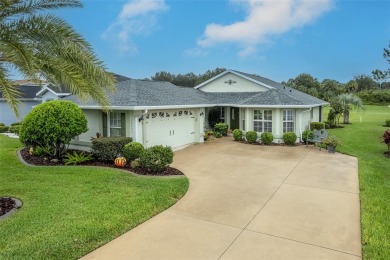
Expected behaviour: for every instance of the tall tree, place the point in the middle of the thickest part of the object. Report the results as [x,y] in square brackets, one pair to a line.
[379,75]
[346,101]
[40,45]
[330,88]
[365,82]
[306,83]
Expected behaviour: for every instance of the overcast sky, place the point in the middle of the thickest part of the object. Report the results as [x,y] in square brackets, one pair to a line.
[277,39]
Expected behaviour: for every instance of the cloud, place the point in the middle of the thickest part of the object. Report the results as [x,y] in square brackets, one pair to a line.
[195,52]
[264,18]
[137,17]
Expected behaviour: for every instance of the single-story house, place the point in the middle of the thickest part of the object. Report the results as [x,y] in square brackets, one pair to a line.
[160,113]
[27,101]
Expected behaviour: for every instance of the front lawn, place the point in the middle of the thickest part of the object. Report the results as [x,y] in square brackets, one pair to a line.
[69,211]
[361,139]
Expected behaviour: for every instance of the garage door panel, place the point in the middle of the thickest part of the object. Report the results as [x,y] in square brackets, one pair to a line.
[172,128]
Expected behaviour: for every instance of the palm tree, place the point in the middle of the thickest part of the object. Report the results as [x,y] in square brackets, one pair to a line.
[346,100]
[40,45]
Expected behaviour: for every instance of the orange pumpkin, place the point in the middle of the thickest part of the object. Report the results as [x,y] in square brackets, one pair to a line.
[120,161]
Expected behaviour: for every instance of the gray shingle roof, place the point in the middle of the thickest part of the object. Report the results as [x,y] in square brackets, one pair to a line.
[27,91]
[147,93]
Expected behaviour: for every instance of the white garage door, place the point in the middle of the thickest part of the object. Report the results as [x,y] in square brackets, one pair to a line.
[170,127]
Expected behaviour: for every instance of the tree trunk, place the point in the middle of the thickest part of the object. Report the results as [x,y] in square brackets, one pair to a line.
[346,116]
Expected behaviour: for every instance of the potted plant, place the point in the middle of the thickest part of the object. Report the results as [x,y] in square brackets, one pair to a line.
[331,143]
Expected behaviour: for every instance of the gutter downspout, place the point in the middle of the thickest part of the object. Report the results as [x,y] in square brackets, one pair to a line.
[300,122]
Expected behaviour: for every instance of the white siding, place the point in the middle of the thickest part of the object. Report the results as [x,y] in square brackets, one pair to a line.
[240,85]
[7,115]
[94,118]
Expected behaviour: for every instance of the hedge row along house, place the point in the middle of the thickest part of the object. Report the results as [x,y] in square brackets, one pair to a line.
[160,113]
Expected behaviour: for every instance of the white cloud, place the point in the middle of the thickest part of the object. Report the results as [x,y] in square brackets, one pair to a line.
[264,18]
[137,17]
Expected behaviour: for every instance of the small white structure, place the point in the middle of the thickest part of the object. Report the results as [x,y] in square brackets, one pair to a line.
[155,113]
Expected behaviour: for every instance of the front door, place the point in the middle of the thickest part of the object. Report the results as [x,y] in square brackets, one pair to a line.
[234,118]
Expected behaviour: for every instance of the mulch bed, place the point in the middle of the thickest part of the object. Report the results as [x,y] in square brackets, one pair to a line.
[6,205]
[47,161]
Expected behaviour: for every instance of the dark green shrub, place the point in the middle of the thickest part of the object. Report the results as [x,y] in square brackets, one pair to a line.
[17,123]
[221,128]
[379,97]
[3,128]
[2,124]
[289,138]
[108,148]
[251,136]
[14,129]
[209,135]
[327,125]
[317,125]
[307,133]
[387,123]
[156,158]
[217,134]
[42,151]
[53,124]
[77,158]
[132,151]
[266,138]
[237,135]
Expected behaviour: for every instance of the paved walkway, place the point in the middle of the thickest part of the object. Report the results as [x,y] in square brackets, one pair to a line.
[253,202]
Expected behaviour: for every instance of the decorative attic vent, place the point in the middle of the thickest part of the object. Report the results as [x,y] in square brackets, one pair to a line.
[230,82]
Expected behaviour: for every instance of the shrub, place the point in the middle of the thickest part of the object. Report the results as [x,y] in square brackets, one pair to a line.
[3,128]
[217,135]
[77,158]
[108,148]
[317,125]
[17,123]
[386,138]
[156,158]
[14,129]
[132,151]
[289,138]
[213,116]
[53,124]
[42,151]
[2,124]
[266,138]
[251,136]
[221,128]
[307,133]
[237,134]
[209,135]
[387,123]
[375,97]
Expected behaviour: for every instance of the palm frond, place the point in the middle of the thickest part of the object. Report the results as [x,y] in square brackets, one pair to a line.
[9,92]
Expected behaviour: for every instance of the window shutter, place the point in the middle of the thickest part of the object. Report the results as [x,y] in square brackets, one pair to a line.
[104,124]
[123,124]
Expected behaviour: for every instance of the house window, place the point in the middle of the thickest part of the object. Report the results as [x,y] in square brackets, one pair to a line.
[288,121]
[117,124]
[262,121]
[221,114]
[243,120]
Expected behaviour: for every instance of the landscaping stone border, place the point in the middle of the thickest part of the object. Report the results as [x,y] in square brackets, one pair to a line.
[18,205]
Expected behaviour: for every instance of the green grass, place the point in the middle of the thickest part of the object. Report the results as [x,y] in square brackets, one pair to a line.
[69,211]
[362,139]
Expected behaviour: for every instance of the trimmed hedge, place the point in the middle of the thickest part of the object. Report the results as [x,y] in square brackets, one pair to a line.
[387,123]
[266,138]
[289,138]
[317,125]
[237,135]
[108,148]
[3,128]
[251,137]
[221,128]
[132,151]
[156,158]
[307,133]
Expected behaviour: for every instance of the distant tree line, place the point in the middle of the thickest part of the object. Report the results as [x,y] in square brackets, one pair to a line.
[186,80]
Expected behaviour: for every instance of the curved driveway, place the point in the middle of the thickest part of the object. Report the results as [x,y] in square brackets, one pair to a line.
[253,202]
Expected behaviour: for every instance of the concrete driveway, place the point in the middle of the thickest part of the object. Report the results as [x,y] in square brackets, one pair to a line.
[253,202]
